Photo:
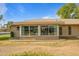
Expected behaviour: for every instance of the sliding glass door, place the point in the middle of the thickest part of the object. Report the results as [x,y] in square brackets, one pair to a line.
[44,30]
[52,30]
[25,30]
[49,30]
[29,30]
[33,30]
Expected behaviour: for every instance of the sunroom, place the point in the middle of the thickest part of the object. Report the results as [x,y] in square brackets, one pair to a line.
[29,31]
[46,29]
[40,28]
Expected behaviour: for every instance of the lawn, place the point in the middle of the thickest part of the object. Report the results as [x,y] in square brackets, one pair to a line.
[4,36]
[39,47]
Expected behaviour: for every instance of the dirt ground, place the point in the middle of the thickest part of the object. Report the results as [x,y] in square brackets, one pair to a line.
[56,47]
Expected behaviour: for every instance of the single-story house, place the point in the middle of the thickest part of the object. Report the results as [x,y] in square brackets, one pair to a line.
[46,28]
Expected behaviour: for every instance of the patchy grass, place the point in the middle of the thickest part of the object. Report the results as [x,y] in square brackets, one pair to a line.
[4,36]
[30,53]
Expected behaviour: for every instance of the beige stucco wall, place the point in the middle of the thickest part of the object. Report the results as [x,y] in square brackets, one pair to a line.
[64,30]
[16,32]
[74,30]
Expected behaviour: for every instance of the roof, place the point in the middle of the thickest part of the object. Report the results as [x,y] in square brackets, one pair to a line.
[49,21]
[70,21]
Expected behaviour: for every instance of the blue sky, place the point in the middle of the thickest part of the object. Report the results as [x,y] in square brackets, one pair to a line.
[27,11]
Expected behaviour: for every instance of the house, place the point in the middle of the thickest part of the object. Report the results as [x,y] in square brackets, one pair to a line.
[4,28]
[46,29]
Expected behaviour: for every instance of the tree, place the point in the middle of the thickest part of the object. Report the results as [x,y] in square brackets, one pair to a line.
[9,24]
[76,14]
[69,11]
[1,17]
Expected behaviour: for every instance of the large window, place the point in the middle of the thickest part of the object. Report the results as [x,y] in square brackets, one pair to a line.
[29,30]
[49,30]
[33,30]
[44,30]
[25,30]
[52,30]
